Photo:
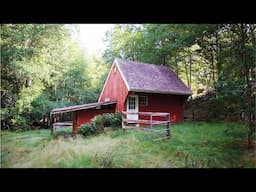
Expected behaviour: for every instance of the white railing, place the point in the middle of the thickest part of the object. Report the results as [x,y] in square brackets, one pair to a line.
[151,121]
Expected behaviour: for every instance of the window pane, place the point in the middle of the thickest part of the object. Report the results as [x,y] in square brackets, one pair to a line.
[131,103]
[143,100]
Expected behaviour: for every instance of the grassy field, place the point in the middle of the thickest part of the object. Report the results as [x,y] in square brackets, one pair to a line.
[197,144]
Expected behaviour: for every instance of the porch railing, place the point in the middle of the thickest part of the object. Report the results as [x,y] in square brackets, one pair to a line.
[147,121]
[58,125]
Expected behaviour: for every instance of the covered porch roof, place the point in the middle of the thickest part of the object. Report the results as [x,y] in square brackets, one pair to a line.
[81,107]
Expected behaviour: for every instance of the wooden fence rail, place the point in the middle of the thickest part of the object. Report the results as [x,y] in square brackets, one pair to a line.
[151,121]
[57,125]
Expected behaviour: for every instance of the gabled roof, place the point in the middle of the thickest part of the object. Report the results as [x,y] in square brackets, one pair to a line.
[144,77]
[81,107]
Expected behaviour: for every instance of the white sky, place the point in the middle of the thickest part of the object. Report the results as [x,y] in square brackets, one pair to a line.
[91,36]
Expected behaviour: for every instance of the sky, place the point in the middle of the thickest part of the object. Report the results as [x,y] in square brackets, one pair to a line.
[91,36]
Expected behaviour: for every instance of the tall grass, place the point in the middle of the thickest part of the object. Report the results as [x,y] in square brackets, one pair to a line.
[197,144]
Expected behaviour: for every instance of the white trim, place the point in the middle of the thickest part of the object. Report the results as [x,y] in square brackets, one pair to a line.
[106,81]
[136,110]
[163,92]
[127,86]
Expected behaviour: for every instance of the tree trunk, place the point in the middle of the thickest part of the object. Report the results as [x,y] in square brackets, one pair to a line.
[249,97]
[212,62]
[177,68]
[186,69]
[164,59]
[190,64]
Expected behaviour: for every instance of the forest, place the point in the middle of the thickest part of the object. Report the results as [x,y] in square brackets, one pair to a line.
[43,66]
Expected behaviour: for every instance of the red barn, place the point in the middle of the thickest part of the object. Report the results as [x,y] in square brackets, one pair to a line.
[135,87]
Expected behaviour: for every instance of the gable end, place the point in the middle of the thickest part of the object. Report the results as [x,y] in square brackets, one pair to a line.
[107,80]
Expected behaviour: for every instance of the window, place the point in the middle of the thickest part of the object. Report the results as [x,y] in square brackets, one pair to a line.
[131,103]
[144,100]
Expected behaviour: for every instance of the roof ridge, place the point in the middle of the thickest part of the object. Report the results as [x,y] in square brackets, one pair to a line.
[139,62]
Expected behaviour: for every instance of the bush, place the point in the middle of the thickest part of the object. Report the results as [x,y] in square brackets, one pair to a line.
[116,120]
[87,129]
[99,122]
[107,120]
[20,123]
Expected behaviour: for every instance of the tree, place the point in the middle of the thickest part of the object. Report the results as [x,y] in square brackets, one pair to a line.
[43,67]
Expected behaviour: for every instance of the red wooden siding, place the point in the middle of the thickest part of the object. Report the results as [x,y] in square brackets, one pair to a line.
[85,116]
[164,103]
[115,89]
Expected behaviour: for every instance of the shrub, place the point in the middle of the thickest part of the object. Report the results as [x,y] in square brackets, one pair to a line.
[116,120]
[107,120]
[98,123]
[20,123]
[87,129]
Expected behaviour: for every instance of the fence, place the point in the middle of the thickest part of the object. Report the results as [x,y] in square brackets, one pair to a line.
[151,119]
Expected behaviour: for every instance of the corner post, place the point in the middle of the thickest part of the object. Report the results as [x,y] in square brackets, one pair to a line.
[75,125]
[168,125]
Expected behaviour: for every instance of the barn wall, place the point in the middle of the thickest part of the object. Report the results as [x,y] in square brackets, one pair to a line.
[115,89]
[164,103]
[85,116]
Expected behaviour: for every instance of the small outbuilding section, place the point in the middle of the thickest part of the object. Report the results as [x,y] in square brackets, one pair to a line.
[82,114]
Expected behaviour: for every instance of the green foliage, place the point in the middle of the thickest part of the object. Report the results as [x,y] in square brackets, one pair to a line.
[43,67]
[173,45]
[100,123]
[116,120]
[87,130]
[107,120]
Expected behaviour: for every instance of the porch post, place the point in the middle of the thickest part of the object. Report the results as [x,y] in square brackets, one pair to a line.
[168,125]
[74,119]
[53,121]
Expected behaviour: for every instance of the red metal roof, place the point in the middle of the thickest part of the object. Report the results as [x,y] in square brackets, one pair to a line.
[144,77]
[81,107]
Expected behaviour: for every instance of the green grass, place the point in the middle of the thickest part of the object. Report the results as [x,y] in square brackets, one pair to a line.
[197,144]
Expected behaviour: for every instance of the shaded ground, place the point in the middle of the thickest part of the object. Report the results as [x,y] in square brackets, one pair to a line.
[197,144]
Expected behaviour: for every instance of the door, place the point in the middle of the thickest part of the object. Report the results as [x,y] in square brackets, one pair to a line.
[132,106]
